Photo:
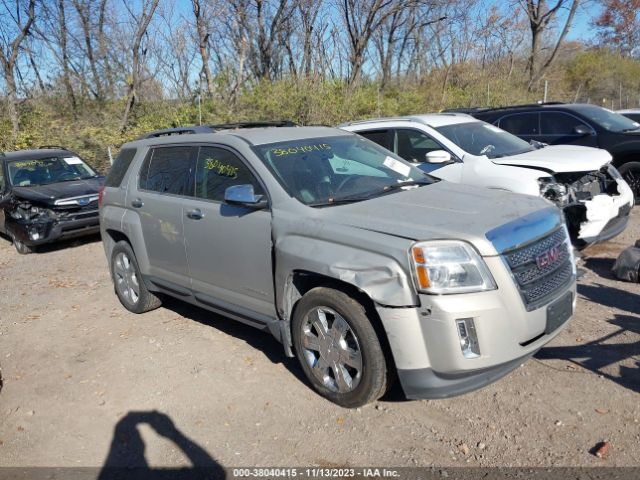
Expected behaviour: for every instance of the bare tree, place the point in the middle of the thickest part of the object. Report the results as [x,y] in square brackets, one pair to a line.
[203,41]
[64,50]
[85,9]
[142,21]
[540,16]
[13,31]
[361,20]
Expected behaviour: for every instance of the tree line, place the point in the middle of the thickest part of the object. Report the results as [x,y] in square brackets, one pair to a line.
[121,54]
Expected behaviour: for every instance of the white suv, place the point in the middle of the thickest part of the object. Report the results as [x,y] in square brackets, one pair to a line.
[459,148]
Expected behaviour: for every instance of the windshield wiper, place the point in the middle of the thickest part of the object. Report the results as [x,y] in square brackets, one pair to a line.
[625,130]
[398,186]
[375,193]
[339,201]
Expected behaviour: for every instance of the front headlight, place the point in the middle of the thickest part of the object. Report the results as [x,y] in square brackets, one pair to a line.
[553,191]
[449,266]
[613,171]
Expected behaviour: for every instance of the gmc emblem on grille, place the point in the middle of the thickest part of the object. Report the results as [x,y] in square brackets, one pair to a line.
[548,257]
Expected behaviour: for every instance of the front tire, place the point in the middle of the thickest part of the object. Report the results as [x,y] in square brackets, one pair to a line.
[21,247]
[630,171]
[338,348]
[127,281]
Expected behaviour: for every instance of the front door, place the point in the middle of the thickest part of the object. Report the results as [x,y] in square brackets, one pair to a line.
[228,247]
[560,128]
[413,145]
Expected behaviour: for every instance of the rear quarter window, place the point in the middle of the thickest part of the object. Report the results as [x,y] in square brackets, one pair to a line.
[120,167]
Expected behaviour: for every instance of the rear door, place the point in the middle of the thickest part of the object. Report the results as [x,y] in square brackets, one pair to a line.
[165,181]
[525,125]
[228,247]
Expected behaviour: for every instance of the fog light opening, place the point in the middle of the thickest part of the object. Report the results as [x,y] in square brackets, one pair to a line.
[468,338]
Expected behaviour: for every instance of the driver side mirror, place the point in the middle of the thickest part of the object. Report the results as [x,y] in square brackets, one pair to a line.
[582,130]
[243,195]
[438,156]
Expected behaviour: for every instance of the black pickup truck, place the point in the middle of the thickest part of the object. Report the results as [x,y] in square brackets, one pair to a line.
[46,195]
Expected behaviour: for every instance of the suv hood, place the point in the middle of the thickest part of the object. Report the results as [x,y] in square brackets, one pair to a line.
[447,211]
[559,158]
[48,194]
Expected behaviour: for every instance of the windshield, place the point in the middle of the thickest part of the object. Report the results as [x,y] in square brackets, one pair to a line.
[331,170]
[480,138]
[42,171]
[614,122]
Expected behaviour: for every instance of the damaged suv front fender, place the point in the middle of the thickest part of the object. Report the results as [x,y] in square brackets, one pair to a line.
[384,278]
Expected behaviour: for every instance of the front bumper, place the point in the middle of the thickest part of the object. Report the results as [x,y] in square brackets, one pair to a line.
[606,216]
[426,383]
[40,231]
[425,344]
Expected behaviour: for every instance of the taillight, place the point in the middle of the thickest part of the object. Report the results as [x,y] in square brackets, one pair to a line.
[100,195]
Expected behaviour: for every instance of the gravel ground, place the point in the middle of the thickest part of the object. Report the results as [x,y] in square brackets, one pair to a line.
[87,384]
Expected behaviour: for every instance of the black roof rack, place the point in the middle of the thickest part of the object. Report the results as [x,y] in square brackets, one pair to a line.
[176,131]
[465,110]
[507,107]
[213,128]
[257,124]
[51,147]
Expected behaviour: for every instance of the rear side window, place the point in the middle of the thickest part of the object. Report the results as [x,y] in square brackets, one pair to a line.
[219,169]
[167,170]
[120,167]
[384,138]
[1,177]
[521,124]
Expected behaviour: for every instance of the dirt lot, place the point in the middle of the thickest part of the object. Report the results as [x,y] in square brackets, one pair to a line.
[87,384]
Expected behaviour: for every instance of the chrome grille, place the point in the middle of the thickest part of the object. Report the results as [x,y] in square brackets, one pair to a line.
[529,253]
[537,283]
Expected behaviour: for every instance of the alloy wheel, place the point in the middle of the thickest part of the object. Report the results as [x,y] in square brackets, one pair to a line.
[332,350]
[126,278]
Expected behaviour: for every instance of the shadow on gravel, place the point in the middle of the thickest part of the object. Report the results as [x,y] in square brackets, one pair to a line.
[601,266]
[262,341]
[126,457]
[600,353]
[259,340]
[61,245]
[611,297]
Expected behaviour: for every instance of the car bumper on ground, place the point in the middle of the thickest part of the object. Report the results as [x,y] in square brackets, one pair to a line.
[426,345]
[42,231]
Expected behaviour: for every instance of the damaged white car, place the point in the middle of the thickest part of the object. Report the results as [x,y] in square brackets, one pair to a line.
[459,148]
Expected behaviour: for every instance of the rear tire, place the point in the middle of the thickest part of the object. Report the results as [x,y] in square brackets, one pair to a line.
[630,171]
[338,348]
[127,280]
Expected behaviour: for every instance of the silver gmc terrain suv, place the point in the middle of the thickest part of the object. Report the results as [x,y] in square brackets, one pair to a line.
[362,265]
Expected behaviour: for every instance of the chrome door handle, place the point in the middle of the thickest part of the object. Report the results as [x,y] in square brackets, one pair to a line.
[195,214]
[137,203]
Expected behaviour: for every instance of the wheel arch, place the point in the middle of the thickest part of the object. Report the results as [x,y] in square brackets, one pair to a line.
[302,281]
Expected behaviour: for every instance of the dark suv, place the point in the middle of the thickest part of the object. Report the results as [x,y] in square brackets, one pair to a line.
[46,195]
[577,124]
